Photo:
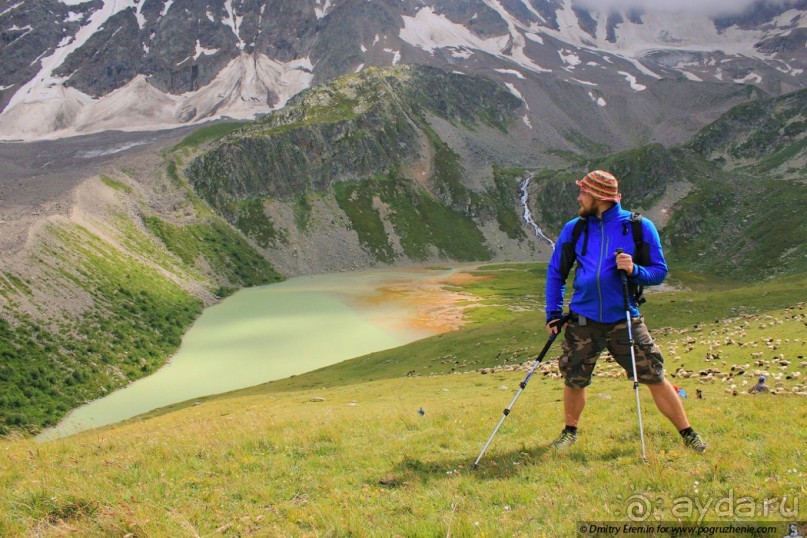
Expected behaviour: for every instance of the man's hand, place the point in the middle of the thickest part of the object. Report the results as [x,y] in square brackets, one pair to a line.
[554,326]
[624,262]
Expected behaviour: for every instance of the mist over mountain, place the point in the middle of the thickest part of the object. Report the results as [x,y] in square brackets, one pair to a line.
[72,67]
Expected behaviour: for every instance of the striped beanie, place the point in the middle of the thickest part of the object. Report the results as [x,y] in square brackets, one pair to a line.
[601,185]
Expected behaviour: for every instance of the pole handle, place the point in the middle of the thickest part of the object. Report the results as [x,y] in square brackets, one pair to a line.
[623,277]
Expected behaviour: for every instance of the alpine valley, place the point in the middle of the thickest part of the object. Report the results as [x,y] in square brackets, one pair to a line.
[158,155]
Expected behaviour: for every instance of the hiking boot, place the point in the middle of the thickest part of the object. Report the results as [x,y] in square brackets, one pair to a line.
[565,440]
[694,441]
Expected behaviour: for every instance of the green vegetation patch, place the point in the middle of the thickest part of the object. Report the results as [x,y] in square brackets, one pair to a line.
[357,202]
[251,219]
[420,220]
[227,252]
[782,155]
[17,283]
[448,173]
[586,144]
[207,134]
[303,211]
[137,322]
[756,129]
[739,226]
[116,184]
[506,199]
[643,173]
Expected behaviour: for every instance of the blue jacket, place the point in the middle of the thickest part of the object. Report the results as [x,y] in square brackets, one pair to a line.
[597,287]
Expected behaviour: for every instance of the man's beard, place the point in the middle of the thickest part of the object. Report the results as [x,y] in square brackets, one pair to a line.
[587,212]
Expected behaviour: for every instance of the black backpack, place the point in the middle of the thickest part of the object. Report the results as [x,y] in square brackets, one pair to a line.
[641,253]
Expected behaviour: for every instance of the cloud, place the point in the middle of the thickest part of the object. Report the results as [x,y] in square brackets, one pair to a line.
[703,7]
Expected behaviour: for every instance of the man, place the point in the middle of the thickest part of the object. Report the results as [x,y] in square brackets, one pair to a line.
[598,309]
[759,387]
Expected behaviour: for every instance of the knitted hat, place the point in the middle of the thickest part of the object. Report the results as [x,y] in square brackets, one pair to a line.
[601,185]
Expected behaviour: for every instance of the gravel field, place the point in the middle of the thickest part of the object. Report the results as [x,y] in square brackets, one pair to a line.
[37,178]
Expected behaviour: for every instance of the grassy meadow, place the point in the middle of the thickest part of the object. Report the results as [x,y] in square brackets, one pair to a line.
[344,451]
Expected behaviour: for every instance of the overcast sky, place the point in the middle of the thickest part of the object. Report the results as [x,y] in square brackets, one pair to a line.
[708,7]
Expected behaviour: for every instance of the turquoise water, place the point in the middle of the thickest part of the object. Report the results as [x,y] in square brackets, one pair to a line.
[267,333]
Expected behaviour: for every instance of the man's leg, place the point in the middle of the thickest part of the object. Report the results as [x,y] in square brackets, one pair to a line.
[650,371]
[581,347]
[574,400]
[669,404]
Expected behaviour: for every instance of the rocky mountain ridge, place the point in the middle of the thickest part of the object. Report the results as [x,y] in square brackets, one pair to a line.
[74,67]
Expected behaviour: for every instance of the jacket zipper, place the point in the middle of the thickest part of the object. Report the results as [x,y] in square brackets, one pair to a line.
[599,265]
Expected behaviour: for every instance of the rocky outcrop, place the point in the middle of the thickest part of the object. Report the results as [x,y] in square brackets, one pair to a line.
[368,142]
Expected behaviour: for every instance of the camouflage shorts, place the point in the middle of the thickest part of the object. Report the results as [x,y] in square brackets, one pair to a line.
[583,344]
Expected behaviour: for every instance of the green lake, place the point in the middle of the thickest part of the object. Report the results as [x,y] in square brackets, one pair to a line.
[272,332]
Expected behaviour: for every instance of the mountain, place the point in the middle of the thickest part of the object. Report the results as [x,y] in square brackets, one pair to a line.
[370,152]
[72,66]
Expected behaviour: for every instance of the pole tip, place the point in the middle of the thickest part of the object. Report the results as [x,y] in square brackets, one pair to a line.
[475,466]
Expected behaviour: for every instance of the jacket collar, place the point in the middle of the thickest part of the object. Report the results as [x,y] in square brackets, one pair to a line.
[610,214]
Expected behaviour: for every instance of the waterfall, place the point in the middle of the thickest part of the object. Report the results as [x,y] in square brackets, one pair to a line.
[528,213]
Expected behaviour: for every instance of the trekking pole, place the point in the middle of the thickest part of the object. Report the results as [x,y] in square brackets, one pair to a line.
[623,276]
[561,322]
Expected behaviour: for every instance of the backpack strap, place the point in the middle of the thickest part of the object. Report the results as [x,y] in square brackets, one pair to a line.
[568,255]
[642,249]
[641,255]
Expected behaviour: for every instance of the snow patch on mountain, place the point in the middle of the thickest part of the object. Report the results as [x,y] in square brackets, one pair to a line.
[322,11]
[45,85]
[200,50]
[396,55]
[141,19]
[534,37]
[634,85]
[431,31]
[463,53]
[511,72]
[233,20]
[569,58]
[238,92]
[73,17]
[750,78]
[27,29]
[685,31]
[599,100]
[517,93]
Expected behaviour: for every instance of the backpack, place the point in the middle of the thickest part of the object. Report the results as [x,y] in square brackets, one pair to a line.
[641,252]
